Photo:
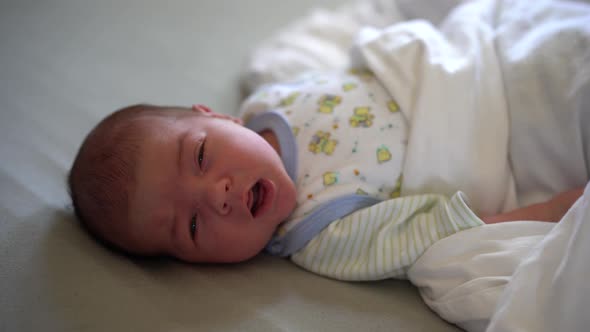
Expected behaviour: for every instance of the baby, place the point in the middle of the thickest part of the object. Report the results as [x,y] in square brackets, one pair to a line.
[317,155]
[192,184]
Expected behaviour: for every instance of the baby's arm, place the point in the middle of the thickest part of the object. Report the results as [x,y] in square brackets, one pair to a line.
[552,210]
[382,241]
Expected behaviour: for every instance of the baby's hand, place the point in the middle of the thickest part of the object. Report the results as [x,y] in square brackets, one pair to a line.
[552,210]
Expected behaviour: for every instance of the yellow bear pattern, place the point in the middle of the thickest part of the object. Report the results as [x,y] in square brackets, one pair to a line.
[359,191]
[383,154]
[327,103]
[321,142]
[330,178]
[392,106]
[347,109]
[363,74]
[289,100]
[361,117]
[349,86]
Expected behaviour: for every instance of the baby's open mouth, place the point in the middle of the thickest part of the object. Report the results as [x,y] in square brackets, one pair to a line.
[256,200]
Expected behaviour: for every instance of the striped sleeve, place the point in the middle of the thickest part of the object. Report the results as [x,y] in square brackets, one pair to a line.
[384,240]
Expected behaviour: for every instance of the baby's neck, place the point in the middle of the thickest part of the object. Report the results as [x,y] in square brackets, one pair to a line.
[271,138]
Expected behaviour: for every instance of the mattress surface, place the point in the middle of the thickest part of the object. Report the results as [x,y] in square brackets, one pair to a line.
[65,64]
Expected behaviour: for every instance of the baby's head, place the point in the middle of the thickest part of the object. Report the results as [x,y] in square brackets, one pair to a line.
[189,183]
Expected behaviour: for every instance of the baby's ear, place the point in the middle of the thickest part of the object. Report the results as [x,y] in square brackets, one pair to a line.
[207,111]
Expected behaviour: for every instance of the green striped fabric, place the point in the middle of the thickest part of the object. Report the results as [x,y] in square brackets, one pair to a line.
[384,240]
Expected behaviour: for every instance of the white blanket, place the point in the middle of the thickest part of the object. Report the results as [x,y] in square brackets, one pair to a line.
[448,82]
[470,89]
[497,96]
[520,276]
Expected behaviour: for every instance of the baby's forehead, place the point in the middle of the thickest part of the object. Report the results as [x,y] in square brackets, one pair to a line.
[149,125]
[150,130]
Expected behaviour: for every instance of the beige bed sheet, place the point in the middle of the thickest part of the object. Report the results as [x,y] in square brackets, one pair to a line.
[64,64]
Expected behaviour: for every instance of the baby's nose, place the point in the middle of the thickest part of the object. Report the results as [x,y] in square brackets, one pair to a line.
[221,196]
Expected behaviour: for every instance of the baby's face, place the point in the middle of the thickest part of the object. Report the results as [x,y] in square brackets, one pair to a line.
[208,190]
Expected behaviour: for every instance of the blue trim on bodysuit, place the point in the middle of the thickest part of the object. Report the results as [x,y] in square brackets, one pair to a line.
[281,128]
[316,221]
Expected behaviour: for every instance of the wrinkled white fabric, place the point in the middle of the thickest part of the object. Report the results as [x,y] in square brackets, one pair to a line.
[517,75]
[520,276]
[322,39]
[544,49]
[462,277]
[464,134]
[549,290]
